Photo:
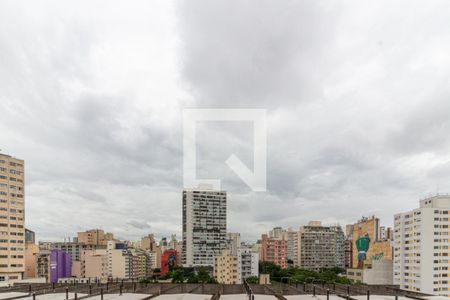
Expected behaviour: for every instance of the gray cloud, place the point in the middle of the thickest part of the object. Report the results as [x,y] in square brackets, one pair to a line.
[92,97]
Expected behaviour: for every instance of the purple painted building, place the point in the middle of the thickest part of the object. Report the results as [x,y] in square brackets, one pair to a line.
[60,265]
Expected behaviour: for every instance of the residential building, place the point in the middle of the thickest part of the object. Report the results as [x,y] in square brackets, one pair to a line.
[233,242]
[31,252]
[137,263]
[320,247]
[60,265]
[118,264]
[95,237]
[12,218]
[204,225]
[274,249]
[94,264]
[386,233]
[379,273]
[148,243]
[225,268]
[290,237]
[247,264]
[348,253]
[74,248]
[43,264]
[421,247]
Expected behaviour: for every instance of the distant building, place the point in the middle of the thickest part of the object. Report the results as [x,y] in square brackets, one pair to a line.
[379,273]
[94,264]
[421,244]
[43,264]
[247,264]
[204,225]
[60,265]
[348,253]
[233,242]
[225,268]
[30,236]
[168,261]
[371,252]
[320,247]
[74,248]
[31,252]
[366,234]
[117,261]
[95,237]
[12,218]
[274,249]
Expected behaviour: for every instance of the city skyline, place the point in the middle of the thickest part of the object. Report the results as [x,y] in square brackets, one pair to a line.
[92,99]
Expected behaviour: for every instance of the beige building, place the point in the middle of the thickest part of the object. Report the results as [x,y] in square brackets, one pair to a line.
[226,268]
[94,264]
[380,272]
[96,237]
[31,251]
[118,266]
[12,218]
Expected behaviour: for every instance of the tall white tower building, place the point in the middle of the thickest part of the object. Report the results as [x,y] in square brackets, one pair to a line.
[204,225]
[421,247]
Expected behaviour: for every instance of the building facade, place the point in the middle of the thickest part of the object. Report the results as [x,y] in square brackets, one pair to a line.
[94,264]
[320,247]
[12,218]
[247,264]
[204,225]
[274,249]
[94,237]
[226,268]
[421,247]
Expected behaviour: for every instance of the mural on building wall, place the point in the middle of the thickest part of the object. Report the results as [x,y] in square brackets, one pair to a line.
[362,244]
[172,261]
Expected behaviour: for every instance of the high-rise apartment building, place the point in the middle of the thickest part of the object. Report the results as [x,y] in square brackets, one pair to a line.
[320,246]
[204,225]
[247,264]
[12,218]
[274,249]
[421,247]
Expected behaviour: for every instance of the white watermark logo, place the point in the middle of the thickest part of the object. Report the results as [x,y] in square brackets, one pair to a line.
[255,179]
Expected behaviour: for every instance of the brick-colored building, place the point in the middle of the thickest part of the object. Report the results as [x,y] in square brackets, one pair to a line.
[274,250]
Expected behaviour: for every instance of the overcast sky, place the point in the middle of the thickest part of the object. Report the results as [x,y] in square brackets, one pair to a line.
[357,95]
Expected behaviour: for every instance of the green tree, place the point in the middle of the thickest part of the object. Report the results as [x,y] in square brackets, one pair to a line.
[252,279]
[203,276]
[192,278]
[177,276]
